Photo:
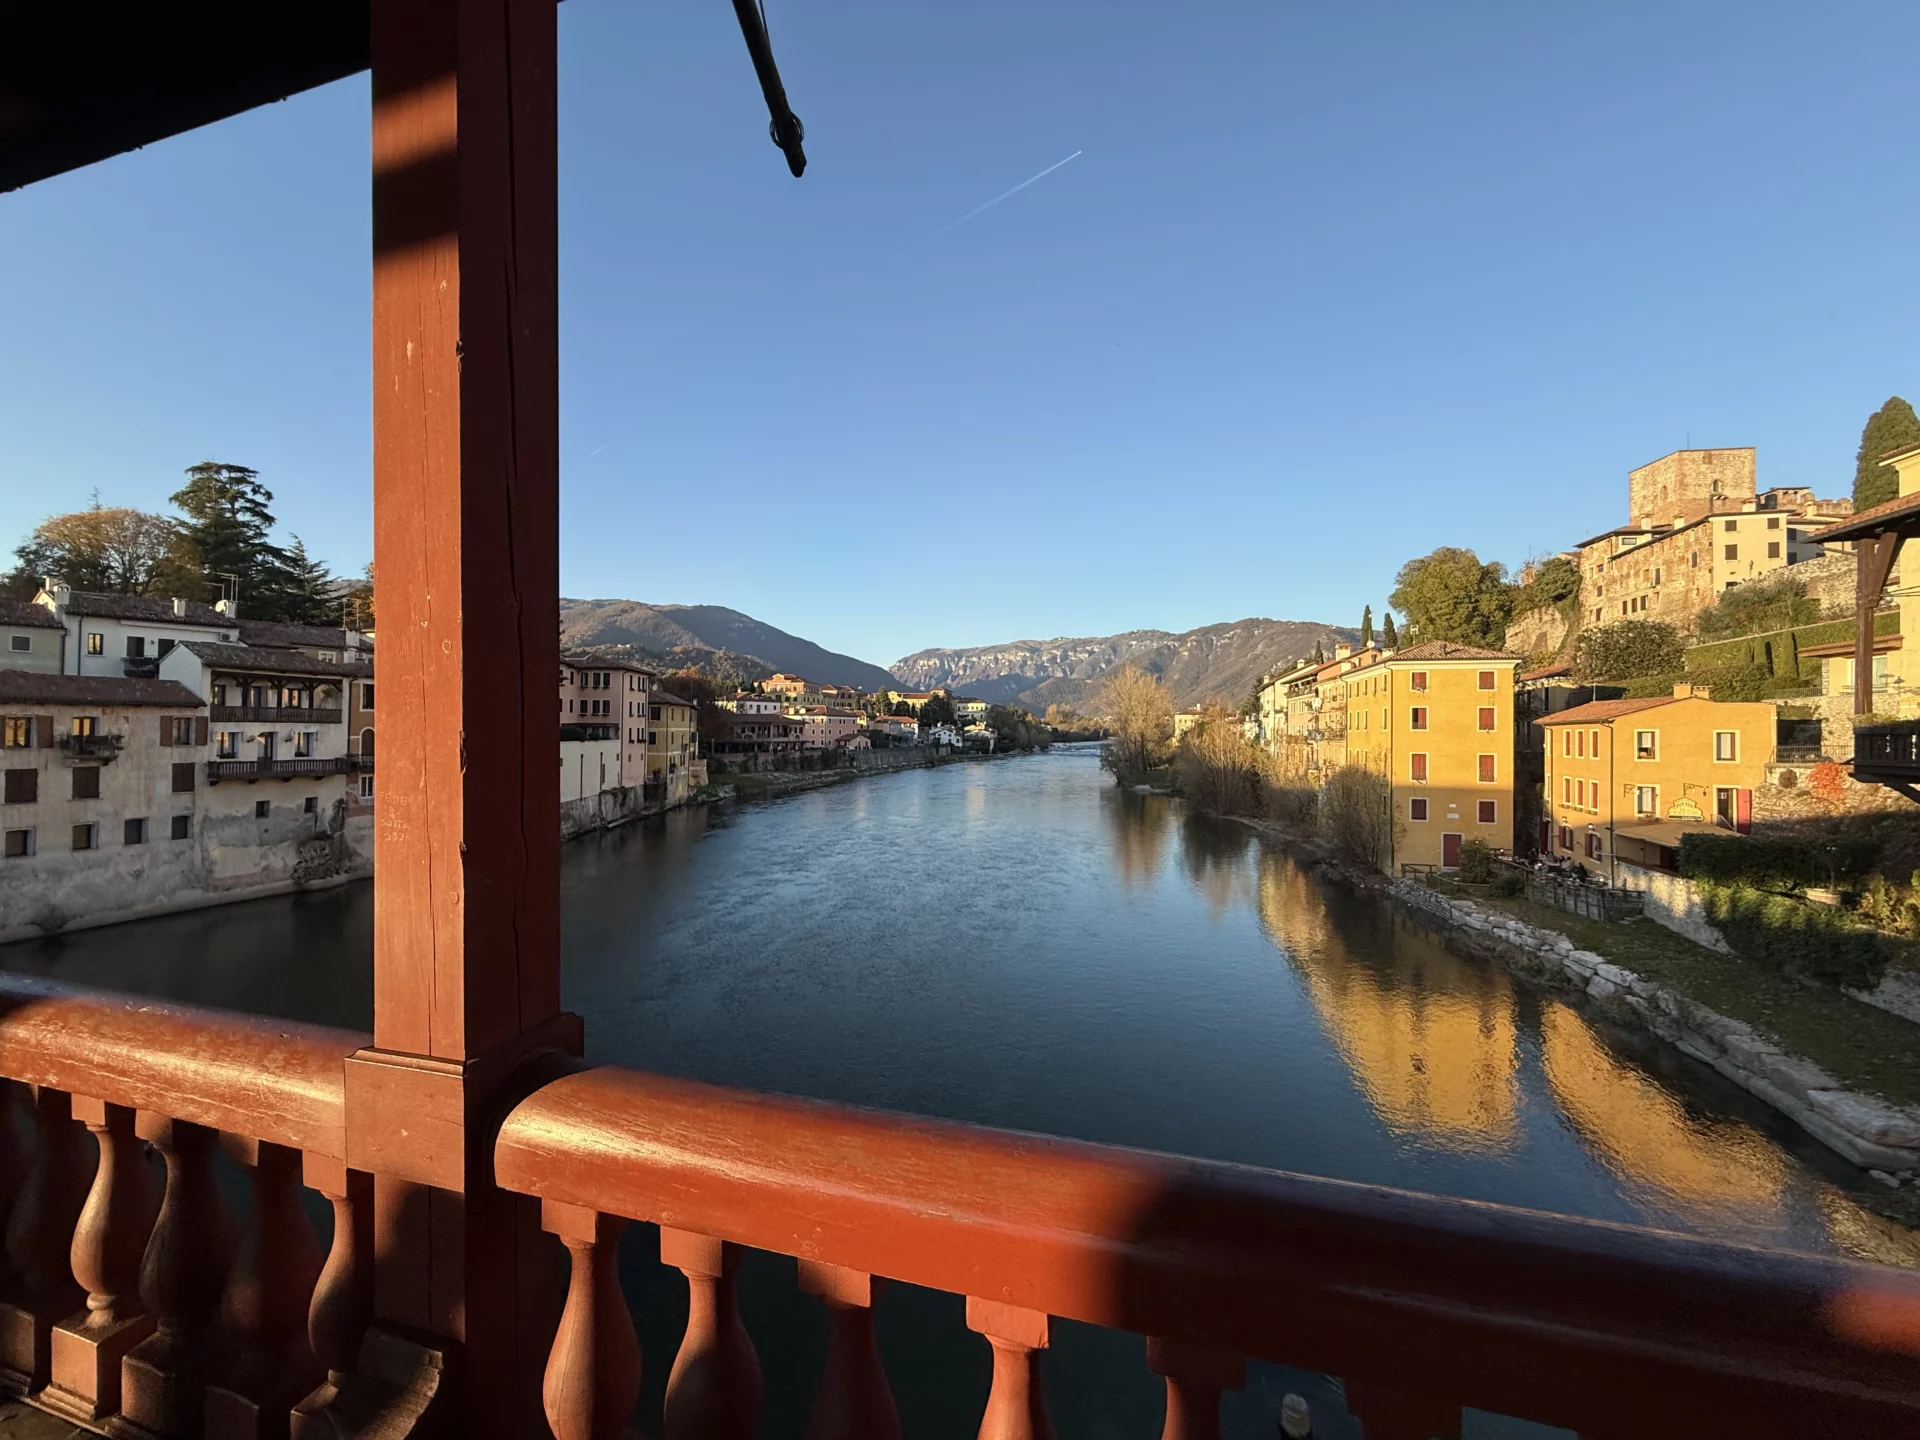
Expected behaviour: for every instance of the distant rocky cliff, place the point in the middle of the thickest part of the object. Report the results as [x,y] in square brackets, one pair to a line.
[1215,661]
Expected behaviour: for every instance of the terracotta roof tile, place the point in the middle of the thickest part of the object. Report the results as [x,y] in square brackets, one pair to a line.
[146,607]
[1901,507]
[1595,710]
[1447,650]
[28,687]
[24,615]
[261,659]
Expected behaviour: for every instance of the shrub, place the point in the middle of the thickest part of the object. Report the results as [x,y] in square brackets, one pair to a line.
[1773,864]
[1738,681]
[1476,862]
[1356,814]
[1759,605]
[1796,936]
[1627,650]
[1509,882]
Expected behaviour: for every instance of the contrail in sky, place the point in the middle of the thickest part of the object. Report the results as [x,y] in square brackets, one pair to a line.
[982,209]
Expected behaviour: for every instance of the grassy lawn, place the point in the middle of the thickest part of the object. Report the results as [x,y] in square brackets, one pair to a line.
[1865,1048]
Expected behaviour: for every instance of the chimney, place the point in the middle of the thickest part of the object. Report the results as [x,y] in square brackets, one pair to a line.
[1342,651]
[179,606]
[1684,691]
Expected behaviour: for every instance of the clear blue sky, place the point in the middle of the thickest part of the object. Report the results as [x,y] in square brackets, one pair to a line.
[1331,284]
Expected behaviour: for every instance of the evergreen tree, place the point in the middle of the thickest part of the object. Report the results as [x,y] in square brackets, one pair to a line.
[1319,653]
[228,523]
[307,595]
[1892,427]
[1450,595]
[1366,628]
[1389,637]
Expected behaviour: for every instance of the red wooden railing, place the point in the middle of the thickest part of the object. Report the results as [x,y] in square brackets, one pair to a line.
[1422,1304]
[149,1312]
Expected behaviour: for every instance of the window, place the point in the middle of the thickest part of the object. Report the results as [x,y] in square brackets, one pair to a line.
[1417,808]
[1486,770]
[96,643]
[1731,526]
[1566,789]
[1417,680]
[1486,680]
[176,729]
[86,782]
[19,844]
[1593,845]
[366,694]
[16,732]
[1733,552]
[366,787]
[226,745]
[1417,767]
[136,647]
[1580,743]
[1566,742]
[1594,737]
[183,777]
[1646,800]
[1726,745]
[1773,522]
[1773,549]
[20,642]
[305,743]
[311,805]
[653,714]
[81,725]
[1646,745]
[182,827]
[134,832]
[86,837]
[1419,718]
[1488,811]
[1486,717]
[653,737]
[1566,838]
[1580,793]
[166,648]
[262,809]
[23,787]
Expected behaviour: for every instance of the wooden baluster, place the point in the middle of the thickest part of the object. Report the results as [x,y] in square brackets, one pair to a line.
[343,1295]
[182,1277]
[854,1401]
[1388,1414]
[40,1244]
[1195,1376]
[108,1242]
[264,1312]
[13,1163]
[1017,1404]
[713,1392]
[593,1372]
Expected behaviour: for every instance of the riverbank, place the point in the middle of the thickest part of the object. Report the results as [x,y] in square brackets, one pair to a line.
[773,784]
[1851,1080]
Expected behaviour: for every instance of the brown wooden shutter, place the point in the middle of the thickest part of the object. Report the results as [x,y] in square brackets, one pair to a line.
[46,732]
[166,730]
[199,729]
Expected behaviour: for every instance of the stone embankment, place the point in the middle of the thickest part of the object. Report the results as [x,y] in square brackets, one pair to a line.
[1867,1130]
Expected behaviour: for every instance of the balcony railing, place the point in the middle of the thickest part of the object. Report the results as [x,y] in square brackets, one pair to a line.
[1887,754]
[275,714]
[288,769]
[162,1324]
[92,747]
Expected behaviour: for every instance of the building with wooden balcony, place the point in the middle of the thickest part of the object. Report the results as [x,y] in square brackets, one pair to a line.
[328,642]
[606,696]
[480,1173]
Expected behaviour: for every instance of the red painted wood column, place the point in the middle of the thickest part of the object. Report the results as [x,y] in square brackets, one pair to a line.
[466,810]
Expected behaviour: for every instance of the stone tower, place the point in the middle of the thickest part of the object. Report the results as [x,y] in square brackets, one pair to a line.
[1689,484]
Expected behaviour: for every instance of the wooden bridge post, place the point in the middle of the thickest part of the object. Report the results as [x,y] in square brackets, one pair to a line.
[466,876]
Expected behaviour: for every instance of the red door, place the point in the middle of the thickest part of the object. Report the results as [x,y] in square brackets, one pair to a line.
[1743,811]
[1449,851]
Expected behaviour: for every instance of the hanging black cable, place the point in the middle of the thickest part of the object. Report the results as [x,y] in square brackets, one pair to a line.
[785,126]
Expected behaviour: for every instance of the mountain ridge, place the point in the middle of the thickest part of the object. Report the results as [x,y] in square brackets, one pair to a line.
[730,636]
[1222,661]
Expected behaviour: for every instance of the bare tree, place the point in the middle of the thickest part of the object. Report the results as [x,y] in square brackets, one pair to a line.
[1139,711]
[1356,814]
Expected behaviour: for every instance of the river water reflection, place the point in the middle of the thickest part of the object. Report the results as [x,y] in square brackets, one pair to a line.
[1019,944]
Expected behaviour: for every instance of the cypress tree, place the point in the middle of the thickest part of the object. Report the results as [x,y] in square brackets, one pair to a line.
[1389,637]
[1891,427]
[1319,653]
[1366,628]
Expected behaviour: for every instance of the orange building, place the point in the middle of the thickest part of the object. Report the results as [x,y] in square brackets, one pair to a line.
[1437,721]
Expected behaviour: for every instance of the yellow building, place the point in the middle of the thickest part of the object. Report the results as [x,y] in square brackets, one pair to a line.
[1437,721]
[1879,535]
[673,746]
[1625,779]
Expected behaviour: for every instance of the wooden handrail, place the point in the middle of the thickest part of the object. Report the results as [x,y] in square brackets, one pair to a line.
[1607,1328]
[270,1080]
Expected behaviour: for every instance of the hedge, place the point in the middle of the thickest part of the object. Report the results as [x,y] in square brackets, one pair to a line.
[1796,936]
[1773,864]
[1786,647]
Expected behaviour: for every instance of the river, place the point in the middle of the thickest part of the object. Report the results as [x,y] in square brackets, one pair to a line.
[1018,943]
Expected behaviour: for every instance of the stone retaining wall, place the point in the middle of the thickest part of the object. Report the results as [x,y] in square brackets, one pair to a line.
[1868,1131]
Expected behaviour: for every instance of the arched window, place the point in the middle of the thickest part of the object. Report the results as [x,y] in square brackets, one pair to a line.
[366,743]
